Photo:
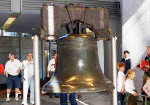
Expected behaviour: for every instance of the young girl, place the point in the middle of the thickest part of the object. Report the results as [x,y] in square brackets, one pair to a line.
[130,88]
[120,82]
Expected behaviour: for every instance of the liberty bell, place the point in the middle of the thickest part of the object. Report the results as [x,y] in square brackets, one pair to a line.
[78,68]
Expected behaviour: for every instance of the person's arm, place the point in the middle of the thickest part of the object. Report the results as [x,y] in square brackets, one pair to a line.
[20,66]
[123,89]
[6,70]
[6,74]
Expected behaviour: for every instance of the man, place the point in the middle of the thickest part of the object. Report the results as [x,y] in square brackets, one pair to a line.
[12,70]
[126,59]
[28,80]
[51,70]
[51,67]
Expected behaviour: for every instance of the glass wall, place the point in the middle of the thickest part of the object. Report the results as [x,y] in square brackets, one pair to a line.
[14,34]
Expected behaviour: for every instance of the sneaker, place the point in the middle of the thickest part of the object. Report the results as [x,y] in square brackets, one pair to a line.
[32,103]
[43,92]
[7,99]
[24,104]
[17,99]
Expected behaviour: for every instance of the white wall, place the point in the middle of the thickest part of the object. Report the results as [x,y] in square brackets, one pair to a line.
[135,28]
[135,31]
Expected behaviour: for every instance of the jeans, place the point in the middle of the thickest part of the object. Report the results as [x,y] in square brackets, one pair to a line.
[72,98]
[28,83]
[120,99]
[51,74]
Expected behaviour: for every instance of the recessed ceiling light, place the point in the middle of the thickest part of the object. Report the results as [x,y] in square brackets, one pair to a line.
[8,23]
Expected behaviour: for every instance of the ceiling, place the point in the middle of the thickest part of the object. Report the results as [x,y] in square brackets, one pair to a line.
[29,19]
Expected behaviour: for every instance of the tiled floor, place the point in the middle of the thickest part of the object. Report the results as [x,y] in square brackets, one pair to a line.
[87,99]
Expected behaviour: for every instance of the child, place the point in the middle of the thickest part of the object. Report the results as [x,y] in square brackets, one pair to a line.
[130,88]
[126,59]
[120,82]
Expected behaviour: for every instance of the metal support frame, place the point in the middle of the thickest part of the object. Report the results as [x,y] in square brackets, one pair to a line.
[42,59]
[20,46]
[114,60]
[37,70]
[49,48]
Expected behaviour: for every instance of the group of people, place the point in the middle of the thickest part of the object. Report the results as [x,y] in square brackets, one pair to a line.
[125,79]
[127,93]
[14,70]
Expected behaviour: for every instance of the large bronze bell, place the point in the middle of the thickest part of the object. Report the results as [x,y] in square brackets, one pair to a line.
[78,68]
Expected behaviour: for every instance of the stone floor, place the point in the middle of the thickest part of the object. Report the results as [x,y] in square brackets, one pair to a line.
[86,99]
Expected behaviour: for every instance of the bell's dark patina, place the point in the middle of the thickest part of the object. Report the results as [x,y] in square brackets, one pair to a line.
[78,68]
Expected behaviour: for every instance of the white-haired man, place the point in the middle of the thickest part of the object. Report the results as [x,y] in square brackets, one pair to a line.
[28,80]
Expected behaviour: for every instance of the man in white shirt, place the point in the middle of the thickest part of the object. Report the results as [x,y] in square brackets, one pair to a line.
[51,67]
[12,70]
[28,80]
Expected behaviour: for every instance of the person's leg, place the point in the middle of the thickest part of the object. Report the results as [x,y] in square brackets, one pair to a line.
[25,91]
[63,99]
[31,84]
[72,98]
[8,94]
[9,87]
[17,84]
[119,99]
[16,94]
[57,95]
[123,99]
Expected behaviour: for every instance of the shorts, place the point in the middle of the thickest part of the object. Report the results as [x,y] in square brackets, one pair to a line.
[13,82]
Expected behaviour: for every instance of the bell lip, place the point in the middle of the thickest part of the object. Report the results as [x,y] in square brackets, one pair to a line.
[96,91]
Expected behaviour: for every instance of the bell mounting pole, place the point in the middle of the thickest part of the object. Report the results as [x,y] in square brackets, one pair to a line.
[114,61]
[37,71]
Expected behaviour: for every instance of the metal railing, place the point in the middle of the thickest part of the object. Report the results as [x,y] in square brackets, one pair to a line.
[145,99]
